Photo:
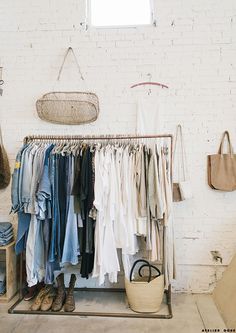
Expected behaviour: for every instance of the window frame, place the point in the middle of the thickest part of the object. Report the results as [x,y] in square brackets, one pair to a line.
[88,19]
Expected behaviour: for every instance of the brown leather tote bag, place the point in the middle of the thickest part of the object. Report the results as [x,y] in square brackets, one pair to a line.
[222,168]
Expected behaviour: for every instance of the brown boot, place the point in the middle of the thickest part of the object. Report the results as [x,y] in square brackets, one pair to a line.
[70,301]
[61,294]
[39,299]
[48,299]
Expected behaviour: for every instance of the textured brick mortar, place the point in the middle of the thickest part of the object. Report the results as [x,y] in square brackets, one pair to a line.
[192,49]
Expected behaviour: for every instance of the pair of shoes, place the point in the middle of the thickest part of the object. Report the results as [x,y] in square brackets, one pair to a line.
[63,299]
[44,299]
[48,299]
[32,291]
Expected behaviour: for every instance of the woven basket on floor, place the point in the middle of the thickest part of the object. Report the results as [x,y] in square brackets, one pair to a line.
[71,108]
[144,296]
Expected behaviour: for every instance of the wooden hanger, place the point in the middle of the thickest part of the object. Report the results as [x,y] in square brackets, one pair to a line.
[149,83]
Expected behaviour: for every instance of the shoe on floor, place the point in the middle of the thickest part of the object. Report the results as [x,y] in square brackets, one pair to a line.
[48,299]
[39,299]
[70,301]
[61,294]
[32,292]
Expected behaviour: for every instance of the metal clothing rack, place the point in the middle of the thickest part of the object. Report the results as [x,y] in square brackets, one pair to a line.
[55,138]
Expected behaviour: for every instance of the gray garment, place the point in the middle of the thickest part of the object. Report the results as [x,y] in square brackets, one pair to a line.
[37,170]
[148,237]
[141,182]
[26,174]
[154,189]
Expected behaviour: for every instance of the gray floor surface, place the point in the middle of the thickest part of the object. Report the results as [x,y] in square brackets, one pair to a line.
[192,314]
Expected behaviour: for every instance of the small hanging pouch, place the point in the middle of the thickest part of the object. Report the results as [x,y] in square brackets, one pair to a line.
[182,189]
[71,108]
[222,168]
[5,172]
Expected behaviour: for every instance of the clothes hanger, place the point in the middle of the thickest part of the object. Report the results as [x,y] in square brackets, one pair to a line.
[151,83]
[66,149]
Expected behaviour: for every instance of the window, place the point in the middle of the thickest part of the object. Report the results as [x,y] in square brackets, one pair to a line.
[104,13]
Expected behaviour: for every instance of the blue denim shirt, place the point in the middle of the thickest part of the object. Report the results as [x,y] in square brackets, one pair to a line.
[15,190]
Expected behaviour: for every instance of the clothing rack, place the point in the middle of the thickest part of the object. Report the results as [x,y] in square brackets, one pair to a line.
[55,138]
[96,137]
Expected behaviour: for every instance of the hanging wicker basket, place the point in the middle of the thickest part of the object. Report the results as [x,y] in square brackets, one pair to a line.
[145,294]
[71,108]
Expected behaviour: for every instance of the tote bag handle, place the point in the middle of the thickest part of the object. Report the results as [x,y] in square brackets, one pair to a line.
[230,147]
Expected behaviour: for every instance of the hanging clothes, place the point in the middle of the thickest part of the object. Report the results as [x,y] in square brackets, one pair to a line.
[80,202]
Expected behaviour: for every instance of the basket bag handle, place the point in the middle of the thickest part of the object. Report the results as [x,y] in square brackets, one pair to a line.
[146,264]
[230,147]
[154,267]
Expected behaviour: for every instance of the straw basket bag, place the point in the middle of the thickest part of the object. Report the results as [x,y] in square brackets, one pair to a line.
[70,108]
[145,294]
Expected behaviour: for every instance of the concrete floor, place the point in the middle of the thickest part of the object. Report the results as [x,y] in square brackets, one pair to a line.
[192,314]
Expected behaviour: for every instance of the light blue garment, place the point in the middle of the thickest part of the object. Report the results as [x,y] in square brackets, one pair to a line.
[22,231]
[43,196]
[26,175]
[44,199]
[15,181]
[35,267]
[71,242]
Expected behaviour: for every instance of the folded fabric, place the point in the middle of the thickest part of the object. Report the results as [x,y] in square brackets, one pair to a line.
[2,273]
[4,234]
[2,288]
[4,226]
[7,237]
[4,243]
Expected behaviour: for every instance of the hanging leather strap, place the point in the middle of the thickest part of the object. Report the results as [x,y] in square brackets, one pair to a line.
[179,137]
[76,61]
[1,140]
[230,147]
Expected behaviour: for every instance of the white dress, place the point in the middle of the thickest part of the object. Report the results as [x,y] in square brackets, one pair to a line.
[106,259]
[148,120]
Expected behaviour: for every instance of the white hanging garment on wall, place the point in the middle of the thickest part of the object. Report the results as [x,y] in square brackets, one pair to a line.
[148,118]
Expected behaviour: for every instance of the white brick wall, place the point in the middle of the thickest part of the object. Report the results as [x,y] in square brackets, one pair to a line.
[192,49]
